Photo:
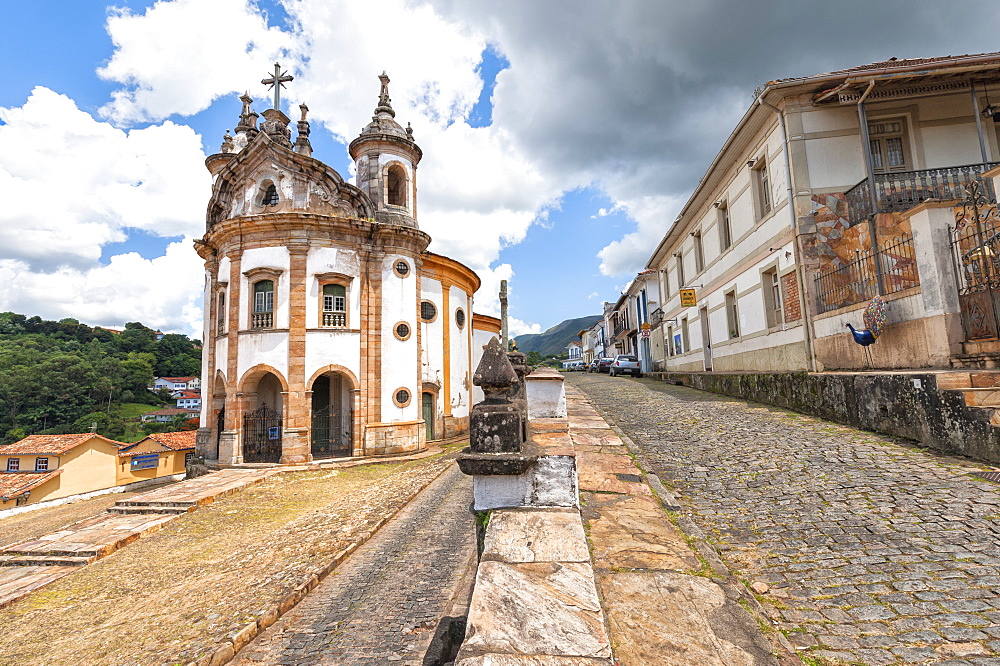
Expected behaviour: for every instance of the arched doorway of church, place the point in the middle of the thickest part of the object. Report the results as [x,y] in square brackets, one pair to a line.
[332,416]
[219,409]
[427,410]
[262,422]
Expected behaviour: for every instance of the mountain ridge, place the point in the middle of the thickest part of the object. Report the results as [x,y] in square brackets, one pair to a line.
[557,338]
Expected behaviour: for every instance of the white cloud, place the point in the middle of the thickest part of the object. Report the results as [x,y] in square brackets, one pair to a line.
[163,293]
[180,56]
[80,183]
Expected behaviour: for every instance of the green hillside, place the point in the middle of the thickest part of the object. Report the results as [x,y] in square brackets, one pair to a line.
[556,339]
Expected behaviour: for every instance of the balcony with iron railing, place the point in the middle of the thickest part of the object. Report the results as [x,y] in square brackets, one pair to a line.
[902,190]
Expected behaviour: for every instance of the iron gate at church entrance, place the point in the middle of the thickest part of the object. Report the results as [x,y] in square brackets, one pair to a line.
[262,435]
[975,247]
[331,436]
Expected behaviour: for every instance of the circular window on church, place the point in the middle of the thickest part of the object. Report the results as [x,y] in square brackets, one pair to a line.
[428,312]
[402,331]
[401,268]
[460,317]
[401,397]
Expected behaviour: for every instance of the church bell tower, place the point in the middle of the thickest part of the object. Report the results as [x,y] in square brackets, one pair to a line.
[386,157]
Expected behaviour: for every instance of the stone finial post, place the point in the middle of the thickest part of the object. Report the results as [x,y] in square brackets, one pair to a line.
[503,314]
[495,425]
[518,393]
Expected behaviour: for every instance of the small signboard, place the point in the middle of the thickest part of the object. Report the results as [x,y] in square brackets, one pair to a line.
[645,326]
[644,333]
[273,433]
[688,298]
[145,461]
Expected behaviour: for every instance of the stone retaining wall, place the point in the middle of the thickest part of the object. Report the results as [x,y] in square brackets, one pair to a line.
[908,405]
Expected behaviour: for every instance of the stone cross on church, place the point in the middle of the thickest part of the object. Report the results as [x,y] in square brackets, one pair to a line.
[277,81]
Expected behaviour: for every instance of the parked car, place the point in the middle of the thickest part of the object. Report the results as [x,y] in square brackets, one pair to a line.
[625,364]
[601,365]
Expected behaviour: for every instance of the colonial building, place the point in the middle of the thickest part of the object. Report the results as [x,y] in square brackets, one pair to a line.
[832,189]
[330,330]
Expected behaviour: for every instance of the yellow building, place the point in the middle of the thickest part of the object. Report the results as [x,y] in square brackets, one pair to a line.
[155,456]
[48,467]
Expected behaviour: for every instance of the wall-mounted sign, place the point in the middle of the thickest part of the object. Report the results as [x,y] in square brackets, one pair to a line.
[273,433]
[145,461]
[644,333]
[645,326]
[688,298]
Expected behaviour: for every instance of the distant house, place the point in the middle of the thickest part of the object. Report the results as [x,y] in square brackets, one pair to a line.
[168,414]
[175,383]
[47,467]
[188,399]
[155,456]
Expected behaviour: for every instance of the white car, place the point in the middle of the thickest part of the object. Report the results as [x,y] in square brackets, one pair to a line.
[625,364]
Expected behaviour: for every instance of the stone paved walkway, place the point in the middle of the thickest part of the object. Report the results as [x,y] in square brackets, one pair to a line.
[383,604]
[30,565]
[874,552]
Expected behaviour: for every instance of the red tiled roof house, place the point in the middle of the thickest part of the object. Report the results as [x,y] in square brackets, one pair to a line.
[155,456]
[47,467]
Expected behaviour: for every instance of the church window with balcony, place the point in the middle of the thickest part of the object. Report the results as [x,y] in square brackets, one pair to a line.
[334,306]
[263,305]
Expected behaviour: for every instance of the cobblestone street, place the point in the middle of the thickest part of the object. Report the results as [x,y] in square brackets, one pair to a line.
[384,603]
[875,551]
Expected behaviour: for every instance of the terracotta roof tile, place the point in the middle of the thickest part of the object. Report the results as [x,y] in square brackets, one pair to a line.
[888,66]
[14,484]
[177,441]
[55,445]
[172,411]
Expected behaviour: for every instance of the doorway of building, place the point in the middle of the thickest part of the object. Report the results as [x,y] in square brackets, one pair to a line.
[262,423]
[706,338]
[427,410]
[332,417]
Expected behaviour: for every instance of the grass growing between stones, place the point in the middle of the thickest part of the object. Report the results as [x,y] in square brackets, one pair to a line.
[171,597]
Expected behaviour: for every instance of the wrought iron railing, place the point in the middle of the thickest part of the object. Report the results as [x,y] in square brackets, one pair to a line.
[901,191]
[262,320]
[856,282]
[335,319]
[656,317]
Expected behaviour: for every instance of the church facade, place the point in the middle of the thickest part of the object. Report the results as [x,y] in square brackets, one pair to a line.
[330,330]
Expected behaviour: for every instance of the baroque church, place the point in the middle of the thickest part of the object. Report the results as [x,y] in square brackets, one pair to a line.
[330,330]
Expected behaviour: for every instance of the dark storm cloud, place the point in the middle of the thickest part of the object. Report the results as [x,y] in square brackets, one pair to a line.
[646,92]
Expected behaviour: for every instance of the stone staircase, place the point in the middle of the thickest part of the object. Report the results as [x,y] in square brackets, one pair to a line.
[979,389]
[160,508]
[979,354]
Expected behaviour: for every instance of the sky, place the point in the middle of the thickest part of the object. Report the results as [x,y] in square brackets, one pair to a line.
[560,138]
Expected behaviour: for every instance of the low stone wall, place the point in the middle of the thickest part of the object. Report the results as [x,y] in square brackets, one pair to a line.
[382,439]
[905,405]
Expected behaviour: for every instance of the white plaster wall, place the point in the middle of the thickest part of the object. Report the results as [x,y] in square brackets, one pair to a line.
[399,357]
[206,335]
[332,260]
[829,119]
[479,340]
[265,257]
[263,348]
[835,163]
[330,347]
[459,353]
[952,145]
[432,334]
